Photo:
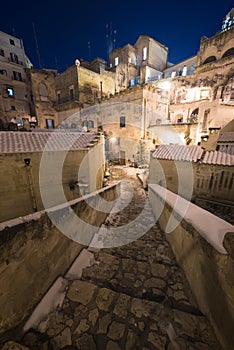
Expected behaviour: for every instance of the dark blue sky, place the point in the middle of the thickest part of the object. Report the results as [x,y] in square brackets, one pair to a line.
[63,29]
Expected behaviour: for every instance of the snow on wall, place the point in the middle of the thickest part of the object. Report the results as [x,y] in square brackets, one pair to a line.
[209,226]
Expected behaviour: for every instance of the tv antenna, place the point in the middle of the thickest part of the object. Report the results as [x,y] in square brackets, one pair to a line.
[37,47]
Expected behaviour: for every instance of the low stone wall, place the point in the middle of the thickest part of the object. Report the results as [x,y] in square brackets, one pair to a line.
[209,267]
[34,252]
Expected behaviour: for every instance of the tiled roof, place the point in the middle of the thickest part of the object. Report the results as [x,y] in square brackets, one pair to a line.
[226,137]
[178,152]
[218,157]
[227,149]
[18,141]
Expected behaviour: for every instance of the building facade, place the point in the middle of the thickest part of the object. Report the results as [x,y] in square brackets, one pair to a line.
[14,88]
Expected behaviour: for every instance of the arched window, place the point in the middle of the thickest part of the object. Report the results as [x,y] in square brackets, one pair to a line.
[229,52]
[43,92]
[90,124]
[210,59]
[194,115]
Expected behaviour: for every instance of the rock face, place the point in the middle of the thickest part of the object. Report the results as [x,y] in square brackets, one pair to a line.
[131,297]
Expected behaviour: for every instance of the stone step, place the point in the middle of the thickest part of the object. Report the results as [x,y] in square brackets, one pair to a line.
[151,281]
[94,318]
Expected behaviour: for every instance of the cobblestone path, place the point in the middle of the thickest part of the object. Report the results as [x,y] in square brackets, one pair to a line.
[129,297]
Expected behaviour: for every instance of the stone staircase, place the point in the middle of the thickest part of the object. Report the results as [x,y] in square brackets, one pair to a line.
[129,297]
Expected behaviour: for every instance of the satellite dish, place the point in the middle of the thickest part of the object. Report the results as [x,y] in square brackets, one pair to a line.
[77,62]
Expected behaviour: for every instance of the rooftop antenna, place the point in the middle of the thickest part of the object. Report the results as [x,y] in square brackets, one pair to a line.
[114,40]
[13,31]
[107,40]
[56,63]
[89,47]
[37,47]
[110,41]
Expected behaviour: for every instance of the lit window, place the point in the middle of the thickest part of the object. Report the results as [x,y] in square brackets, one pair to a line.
[184,72]
[132,82]
[116,61]
[173,74]
[10,92]
[144,53]
[122,122]
[110,65]
[50,123]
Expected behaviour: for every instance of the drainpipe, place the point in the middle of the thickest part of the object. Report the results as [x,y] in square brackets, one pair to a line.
[30,184]
[101,88]
[144,119]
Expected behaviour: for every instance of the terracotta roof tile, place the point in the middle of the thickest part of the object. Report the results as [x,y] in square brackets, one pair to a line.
[17,141]
[178,152]
[218,158]
[226,137]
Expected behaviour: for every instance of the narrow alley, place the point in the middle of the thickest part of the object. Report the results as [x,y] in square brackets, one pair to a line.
[126,297]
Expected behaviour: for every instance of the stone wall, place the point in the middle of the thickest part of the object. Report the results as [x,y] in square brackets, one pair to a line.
[215,46]
[209,272]
[33,252]
[94,86]
[20,190]
[210,182]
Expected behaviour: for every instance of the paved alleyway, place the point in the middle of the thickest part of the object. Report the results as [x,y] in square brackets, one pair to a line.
[128,297]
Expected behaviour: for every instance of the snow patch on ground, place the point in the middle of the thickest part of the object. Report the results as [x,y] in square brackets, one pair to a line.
[52,299]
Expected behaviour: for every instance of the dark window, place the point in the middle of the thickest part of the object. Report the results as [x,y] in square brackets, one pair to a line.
[122,122]
[12,42]
[17,76]
[2,52]
[71,94]
[59,98]
[10,92]
[13,108]
[210,59]
[229,52]
[14,58]
[3,72]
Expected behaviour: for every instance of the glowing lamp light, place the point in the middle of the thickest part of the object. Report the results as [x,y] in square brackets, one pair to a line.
[113,139]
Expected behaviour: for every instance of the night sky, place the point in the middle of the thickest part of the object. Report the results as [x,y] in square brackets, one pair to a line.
[64,29]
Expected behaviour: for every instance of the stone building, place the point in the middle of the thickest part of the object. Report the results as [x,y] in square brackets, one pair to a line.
[42,87]
[203,174]
[14,90]
[81,86]
[31,161]
[139,63]
[178,103]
